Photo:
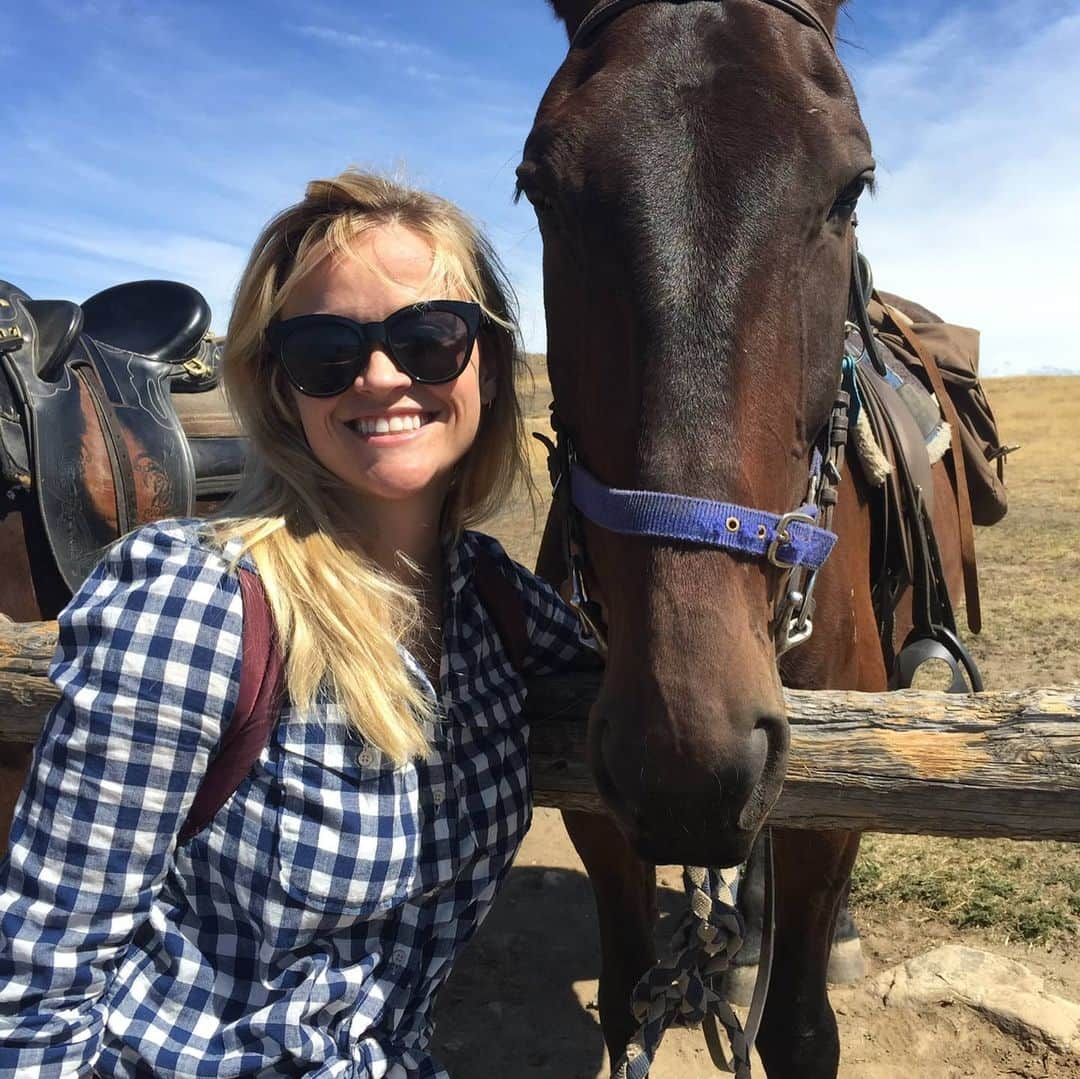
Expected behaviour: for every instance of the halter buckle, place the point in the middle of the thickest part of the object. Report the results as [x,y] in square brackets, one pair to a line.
[782,537]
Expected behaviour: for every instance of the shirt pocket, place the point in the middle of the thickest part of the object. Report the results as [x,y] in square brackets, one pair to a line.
[350,829]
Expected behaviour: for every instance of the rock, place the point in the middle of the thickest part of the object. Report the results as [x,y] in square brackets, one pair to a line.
[1005,992]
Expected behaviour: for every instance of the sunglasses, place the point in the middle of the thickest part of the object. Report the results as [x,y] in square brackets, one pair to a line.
[323,354]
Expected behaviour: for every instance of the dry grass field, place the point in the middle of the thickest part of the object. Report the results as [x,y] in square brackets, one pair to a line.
[1029,567]
[522,1001]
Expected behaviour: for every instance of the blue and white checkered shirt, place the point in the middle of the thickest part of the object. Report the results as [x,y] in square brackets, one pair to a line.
[308,929]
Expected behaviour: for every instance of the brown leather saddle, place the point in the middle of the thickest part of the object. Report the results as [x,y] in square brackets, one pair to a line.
[90,428]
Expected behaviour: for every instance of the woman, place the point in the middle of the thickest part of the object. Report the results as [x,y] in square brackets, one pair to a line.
[306,931]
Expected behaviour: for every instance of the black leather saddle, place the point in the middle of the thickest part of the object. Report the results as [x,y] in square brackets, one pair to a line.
[88,424]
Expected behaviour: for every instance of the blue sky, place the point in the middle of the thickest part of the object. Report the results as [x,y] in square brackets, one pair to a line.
[154,140]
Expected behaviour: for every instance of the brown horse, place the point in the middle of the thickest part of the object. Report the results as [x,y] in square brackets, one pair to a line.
[694,168]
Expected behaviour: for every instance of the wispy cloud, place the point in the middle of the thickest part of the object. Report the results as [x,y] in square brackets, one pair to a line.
[976,125]
[372,43]
[425,74]
[91,256]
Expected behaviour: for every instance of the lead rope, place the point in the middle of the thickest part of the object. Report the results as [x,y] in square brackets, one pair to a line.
[684,987]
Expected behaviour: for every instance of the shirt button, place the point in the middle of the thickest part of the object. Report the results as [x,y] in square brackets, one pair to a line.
[366,757]
[399,958]
[437,797]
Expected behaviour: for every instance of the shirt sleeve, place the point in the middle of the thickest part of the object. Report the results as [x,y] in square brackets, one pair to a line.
[147,666]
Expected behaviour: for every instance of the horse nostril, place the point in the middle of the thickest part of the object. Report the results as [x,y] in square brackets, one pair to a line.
[769,741]
[777,734]
[760,750]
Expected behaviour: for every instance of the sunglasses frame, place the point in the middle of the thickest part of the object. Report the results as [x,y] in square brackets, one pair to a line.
[376,333]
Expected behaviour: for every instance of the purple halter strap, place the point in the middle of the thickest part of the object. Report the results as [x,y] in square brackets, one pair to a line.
[789,539]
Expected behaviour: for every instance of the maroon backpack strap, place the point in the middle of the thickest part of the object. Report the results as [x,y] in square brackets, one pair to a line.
[502,601]
[261,668]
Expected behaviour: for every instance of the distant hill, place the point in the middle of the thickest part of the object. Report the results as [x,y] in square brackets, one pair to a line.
[1038,372]
[1055,371]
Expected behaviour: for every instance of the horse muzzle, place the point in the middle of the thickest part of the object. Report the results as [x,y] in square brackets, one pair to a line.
[694,800]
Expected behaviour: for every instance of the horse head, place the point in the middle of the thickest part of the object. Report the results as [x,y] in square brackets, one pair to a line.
[694,167]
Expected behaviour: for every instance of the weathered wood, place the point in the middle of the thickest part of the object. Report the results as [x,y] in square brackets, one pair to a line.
[991,764]
[26,694]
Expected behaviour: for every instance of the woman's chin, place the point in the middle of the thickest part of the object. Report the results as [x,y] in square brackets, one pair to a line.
[398,490]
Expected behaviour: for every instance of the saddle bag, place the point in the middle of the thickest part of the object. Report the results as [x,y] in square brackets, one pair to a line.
[956,349]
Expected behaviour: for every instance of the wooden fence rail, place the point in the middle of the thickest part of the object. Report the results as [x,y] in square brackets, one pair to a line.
[992,764]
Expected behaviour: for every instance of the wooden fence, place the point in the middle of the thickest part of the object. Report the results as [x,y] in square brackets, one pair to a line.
[991,764]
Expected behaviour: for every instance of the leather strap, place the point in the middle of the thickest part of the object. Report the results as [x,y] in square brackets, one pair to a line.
[963,497]
[606,10]
[768,943]
[804,15]
[261,669]
[760,993]
[503,605]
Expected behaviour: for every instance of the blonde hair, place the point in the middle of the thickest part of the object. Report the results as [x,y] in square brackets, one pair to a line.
[339,617]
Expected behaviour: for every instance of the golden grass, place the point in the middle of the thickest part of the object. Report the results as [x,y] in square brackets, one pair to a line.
[1029,566]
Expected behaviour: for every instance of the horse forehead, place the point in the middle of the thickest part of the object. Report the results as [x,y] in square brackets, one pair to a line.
[673,161]
[677,78]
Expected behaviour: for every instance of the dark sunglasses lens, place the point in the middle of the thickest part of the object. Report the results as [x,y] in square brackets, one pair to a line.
[431,346]
[323,360]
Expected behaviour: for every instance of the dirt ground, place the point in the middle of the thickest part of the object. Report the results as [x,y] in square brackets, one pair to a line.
[522,1000]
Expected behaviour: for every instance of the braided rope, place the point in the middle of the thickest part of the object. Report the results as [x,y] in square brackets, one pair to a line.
[682,988]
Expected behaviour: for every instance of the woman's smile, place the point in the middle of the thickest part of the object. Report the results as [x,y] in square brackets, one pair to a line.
[388,428]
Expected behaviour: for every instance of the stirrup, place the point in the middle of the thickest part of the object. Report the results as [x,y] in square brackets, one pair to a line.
[940,644]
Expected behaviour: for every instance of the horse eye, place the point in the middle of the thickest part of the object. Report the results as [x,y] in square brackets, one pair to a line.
[528,188]
[846,201]
[535,198]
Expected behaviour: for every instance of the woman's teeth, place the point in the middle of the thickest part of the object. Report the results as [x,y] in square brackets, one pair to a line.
[387,425]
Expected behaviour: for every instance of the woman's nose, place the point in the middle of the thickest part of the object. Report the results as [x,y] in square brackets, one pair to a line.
[381,373]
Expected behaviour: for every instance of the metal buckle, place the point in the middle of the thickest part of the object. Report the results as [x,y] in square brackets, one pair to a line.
[588,610]
[11,338]
[783,536]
